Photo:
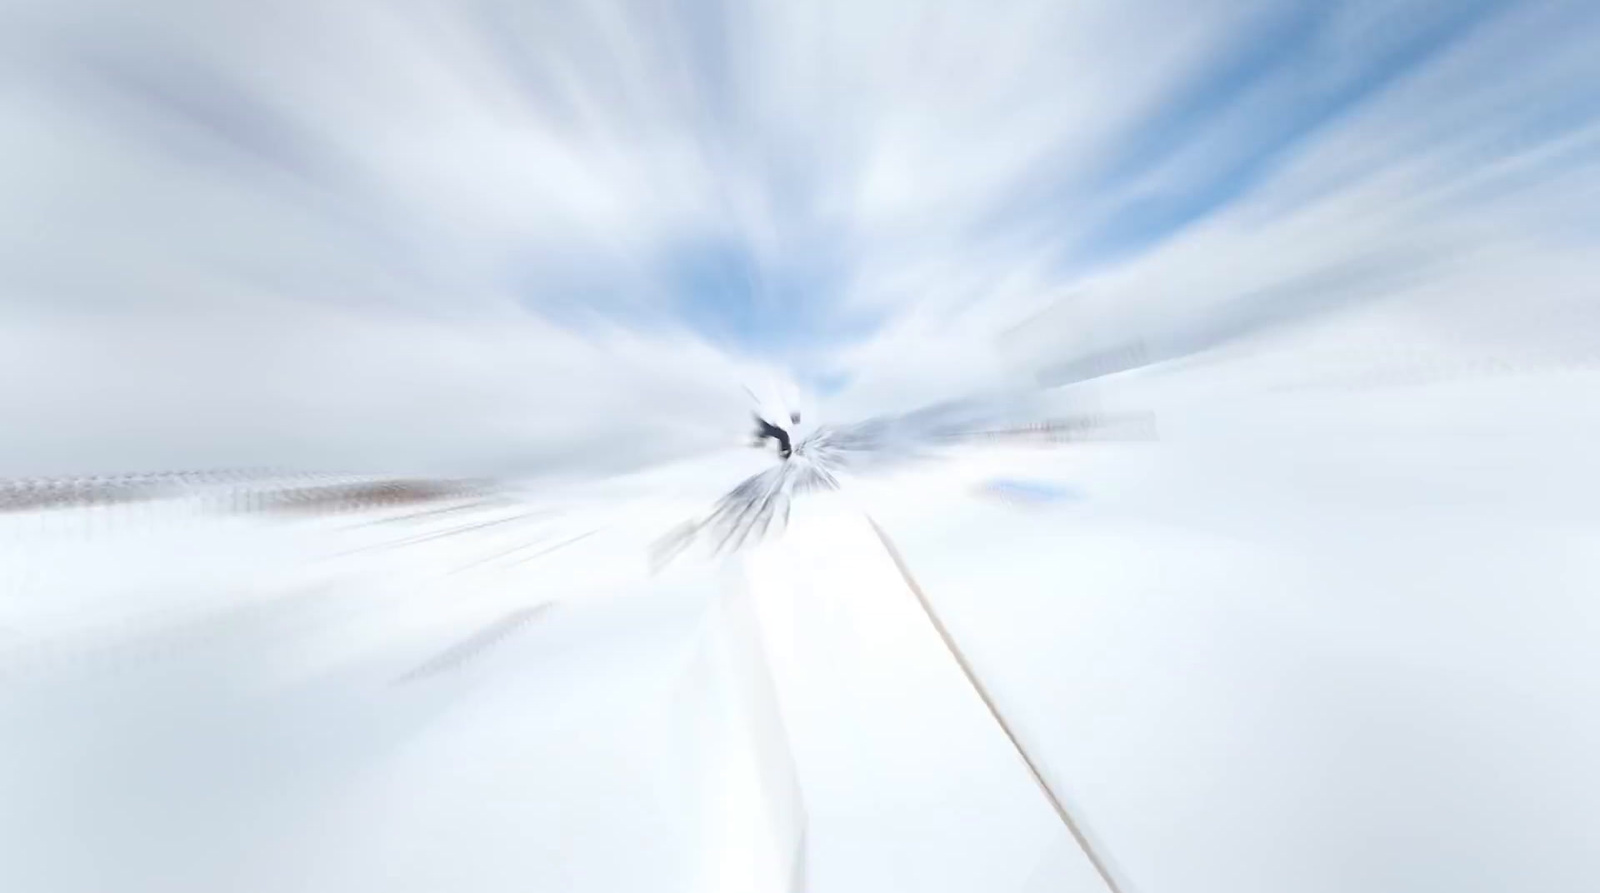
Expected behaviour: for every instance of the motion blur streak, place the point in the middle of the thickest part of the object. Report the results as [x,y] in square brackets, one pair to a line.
[379,508]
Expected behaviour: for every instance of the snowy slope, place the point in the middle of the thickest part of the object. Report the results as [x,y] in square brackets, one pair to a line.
[1321,635]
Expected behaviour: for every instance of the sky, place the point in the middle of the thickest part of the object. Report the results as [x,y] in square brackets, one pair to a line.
[504,237]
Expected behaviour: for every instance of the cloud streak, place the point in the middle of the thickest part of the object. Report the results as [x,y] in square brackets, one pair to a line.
[426,234]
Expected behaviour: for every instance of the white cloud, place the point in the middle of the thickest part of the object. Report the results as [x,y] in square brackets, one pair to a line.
[336,389]
[416,186]
[1456,196]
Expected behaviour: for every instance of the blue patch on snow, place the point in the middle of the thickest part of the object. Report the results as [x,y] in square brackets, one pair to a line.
[1031,491]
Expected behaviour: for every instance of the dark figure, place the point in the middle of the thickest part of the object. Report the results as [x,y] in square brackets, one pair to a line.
[765,429]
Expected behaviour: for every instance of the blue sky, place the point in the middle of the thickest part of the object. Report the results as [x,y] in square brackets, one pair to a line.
[1279,69]
[1250,101]
[1225,120]
[495,199]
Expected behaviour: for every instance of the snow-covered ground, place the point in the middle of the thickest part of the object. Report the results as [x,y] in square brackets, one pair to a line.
[1319,637]
[1312,640]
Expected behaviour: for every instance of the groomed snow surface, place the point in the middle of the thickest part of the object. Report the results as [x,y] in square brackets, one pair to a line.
[1330,638]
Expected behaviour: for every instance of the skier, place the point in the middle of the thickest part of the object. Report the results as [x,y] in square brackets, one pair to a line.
[776,401]
[766,430]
